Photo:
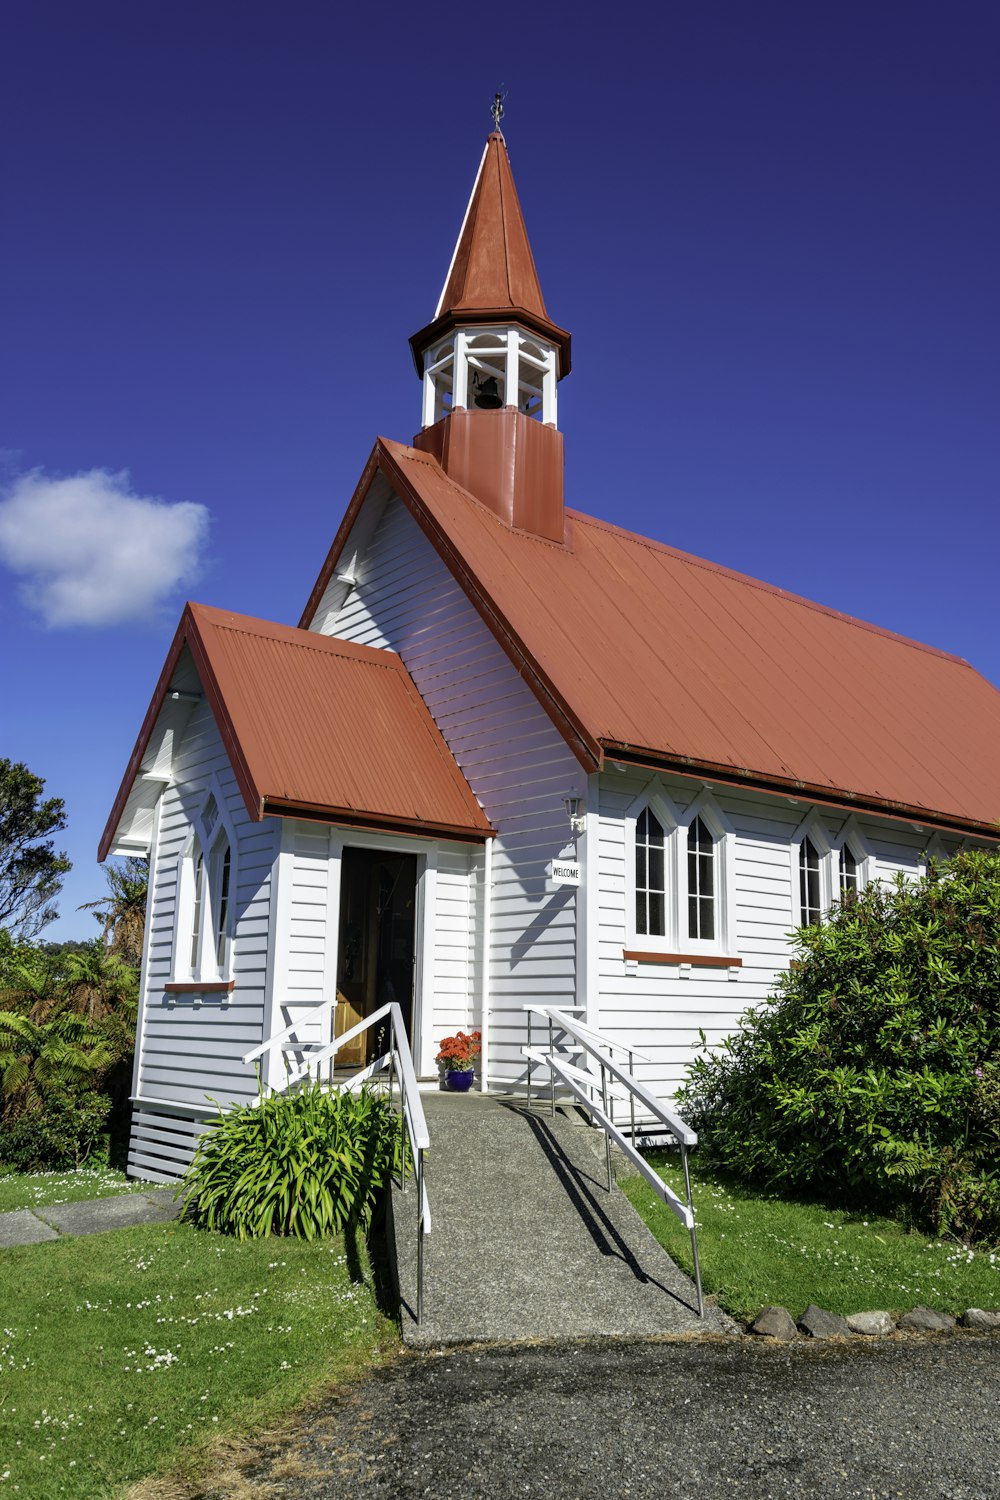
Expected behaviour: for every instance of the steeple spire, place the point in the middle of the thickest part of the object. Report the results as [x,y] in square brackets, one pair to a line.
[492,277]
[491,360]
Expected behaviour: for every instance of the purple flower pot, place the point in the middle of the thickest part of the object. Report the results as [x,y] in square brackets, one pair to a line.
[459,1080]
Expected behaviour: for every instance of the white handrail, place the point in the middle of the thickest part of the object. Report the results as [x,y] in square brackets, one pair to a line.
[412,1121]
[583,1086]
[313,1014]
[595,1036]
[677,1127]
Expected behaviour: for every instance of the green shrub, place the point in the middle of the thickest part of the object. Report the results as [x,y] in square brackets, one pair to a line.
[874,1072]
[302,1164]
[66,1130]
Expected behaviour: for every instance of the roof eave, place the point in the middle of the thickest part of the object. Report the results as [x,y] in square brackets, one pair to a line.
[833,797]
[289,807]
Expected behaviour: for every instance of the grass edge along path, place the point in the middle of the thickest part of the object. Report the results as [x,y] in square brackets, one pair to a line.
[75,1185]
[126,1354]
[757,1250]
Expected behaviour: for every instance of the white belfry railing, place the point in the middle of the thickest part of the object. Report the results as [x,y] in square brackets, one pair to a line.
[398,1063]
[565,1042]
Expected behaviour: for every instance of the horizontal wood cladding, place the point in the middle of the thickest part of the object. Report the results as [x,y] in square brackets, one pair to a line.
[697,960]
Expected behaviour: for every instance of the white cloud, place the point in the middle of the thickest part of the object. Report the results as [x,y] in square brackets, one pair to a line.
[92,553]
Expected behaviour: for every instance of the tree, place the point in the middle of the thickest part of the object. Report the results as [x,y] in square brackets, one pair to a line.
[30,870]
[122,912]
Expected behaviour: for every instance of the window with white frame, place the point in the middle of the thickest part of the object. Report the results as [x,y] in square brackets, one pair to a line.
[204,933]
[680,865]
[701,881]
[827,868]
[650,875]
[810,884]
[850,877]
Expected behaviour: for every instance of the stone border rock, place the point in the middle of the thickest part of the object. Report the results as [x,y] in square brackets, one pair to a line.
[817,1323]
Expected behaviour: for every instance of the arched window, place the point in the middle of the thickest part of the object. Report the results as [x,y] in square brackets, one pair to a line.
[198,860]
[650,875]
[701,881]
[205,912]
[810,897]
[850,882]
[224,857]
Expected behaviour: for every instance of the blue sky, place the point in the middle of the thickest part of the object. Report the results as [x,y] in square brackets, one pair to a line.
[772,228]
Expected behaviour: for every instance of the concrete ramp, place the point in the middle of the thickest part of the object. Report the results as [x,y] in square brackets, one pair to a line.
[527,1242]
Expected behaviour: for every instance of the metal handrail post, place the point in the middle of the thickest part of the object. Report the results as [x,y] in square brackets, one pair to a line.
[694,1233]
[631,1095]
[607,1138]
[419,1173]
[527,1091]
[552,1076]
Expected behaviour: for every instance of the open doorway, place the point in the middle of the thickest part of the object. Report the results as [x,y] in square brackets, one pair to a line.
[375,962]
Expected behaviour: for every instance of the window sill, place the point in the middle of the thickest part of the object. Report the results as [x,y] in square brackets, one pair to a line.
[697,960]
[199,986]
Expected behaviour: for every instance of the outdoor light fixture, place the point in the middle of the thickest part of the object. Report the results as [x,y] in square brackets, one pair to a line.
[576,819]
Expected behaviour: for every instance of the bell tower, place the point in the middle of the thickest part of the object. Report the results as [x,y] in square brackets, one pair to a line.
[491,360]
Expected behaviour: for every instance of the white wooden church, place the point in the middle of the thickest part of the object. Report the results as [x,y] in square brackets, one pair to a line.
[512,754]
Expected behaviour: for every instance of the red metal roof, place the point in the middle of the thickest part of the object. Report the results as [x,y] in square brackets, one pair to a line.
[317,727]
[492,277]
[639,651]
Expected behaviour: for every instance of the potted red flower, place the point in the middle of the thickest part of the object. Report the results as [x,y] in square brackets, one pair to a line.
[458,1058]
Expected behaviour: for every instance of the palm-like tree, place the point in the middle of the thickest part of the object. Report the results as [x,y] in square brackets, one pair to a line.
[96,984]
[122,912]
[66,1053]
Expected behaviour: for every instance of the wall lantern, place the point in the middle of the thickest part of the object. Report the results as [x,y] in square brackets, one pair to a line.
[577,821]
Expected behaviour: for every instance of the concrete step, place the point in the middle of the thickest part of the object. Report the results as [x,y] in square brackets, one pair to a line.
[527,1242]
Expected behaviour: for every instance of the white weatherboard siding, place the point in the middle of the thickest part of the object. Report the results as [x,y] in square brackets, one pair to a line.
[661,1008]
[520,768]
[190,1046]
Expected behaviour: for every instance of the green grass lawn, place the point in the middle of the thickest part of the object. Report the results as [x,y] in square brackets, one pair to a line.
[46,1189]
[756,1250]
[122,1354]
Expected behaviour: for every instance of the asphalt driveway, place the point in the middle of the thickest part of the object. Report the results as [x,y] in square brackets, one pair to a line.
[917,1419]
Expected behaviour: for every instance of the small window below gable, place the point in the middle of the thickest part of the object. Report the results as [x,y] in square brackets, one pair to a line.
[204,923]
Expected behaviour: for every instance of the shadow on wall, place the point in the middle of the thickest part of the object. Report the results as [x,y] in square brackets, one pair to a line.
[540,923]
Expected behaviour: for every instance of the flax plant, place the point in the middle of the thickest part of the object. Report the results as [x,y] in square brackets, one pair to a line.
[304,1164]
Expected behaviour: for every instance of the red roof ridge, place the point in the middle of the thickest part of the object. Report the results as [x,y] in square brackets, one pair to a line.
[694,561]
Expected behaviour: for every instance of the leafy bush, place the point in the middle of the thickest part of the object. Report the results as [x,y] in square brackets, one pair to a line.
[874,1072]
[303,1164]
[69,1130]
[66,1042]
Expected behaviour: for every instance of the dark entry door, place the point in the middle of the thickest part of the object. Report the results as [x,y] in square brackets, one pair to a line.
[378,895]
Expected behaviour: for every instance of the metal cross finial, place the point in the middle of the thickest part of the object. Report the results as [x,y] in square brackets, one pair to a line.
[496,110]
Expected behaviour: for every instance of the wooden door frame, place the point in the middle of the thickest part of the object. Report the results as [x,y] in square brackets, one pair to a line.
[426,851]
